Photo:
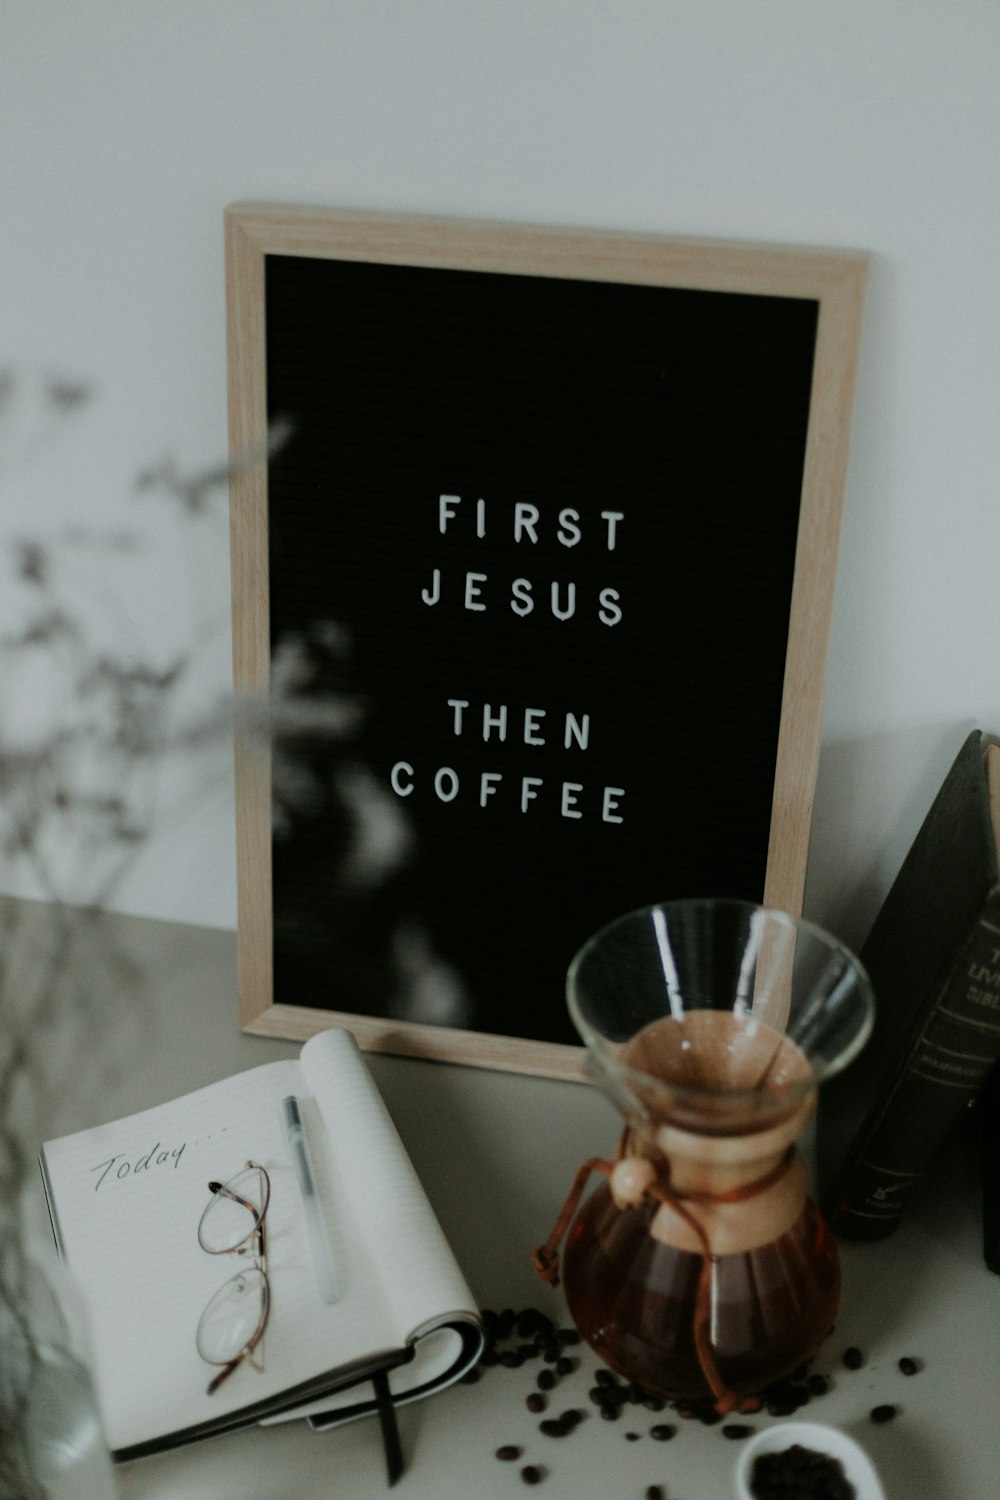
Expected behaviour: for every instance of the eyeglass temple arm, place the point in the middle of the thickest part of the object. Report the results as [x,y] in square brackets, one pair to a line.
[223,1374]
[223,1191]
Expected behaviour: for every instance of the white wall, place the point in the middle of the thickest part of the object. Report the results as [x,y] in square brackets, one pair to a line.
[127,125]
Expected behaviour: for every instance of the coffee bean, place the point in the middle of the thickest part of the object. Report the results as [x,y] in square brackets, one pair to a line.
[531,1474]
[853,1359]
[565,1365]
[552,1427]
[709,1417]
[611,1411]
[884,1413]
[545,1380]
[572,1418]
[631,1437]
[605,1377]
[531,1321]
[818,1385]
[908,1366]
[508,1453]
[663,1432]
[736,1430]
[567,1336]
[510,1360]
[655,1492]
[536,1402]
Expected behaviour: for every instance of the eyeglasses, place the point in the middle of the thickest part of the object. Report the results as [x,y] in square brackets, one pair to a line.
[232,1325]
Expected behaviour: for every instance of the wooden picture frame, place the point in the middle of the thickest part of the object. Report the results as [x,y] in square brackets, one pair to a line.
[281,257]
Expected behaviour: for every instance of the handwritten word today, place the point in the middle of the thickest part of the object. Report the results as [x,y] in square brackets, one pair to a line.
[119,1167]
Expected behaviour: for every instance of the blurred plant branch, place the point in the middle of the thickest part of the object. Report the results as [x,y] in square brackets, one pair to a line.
[87,725]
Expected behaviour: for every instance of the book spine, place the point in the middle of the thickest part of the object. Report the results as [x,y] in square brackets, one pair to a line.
[991,1171]
[944,1072]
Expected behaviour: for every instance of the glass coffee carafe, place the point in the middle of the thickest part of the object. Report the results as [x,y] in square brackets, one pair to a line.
[699,1268]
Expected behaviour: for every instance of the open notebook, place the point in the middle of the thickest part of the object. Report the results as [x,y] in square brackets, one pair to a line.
[126,1199]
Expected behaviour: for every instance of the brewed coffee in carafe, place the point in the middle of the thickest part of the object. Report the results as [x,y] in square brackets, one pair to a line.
[699,1267]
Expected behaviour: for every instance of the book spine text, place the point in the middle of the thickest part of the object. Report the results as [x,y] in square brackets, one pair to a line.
[943,1074]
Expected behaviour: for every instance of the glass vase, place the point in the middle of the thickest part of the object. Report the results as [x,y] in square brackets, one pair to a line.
[700,1268]
[53,1446]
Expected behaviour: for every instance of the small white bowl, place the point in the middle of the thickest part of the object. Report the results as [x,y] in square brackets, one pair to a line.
[858,1467]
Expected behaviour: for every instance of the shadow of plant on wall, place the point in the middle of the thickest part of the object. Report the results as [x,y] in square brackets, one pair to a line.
[90,731]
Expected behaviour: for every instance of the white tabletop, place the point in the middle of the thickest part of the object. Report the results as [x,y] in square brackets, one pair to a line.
[496,1153]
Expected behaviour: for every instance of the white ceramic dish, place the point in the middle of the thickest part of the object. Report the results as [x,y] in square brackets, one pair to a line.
[858,1467]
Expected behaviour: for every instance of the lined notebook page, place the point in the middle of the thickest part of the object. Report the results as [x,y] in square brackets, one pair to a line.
[367,1166]
[128,1197]
[373,1171]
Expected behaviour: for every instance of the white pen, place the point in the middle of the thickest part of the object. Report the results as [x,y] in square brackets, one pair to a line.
[319,1240]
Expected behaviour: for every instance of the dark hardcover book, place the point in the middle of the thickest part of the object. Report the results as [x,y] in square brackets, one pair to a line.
[991,1170]
[933,956]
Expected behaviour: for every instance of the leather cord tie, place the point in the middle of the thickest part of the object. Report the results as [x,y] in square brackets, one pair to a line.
[546,1258]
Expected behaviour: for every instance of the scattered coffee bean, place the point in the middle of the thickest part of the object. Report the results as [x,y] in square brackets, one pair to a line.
[631,1437]
[510,1360]
[531,1321]
[565,1365]
[817,1385]
[531,1474]
[735,1431]
[908,1366]
[536,1402]
[545,1380]
[853,1359]
[884,1413]
[552,1427]
[508,1453]
[605,1377]
[567,1336]
[572,1418]
[610,1412]
[663,1432]
[655,1492]
[709,1417]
